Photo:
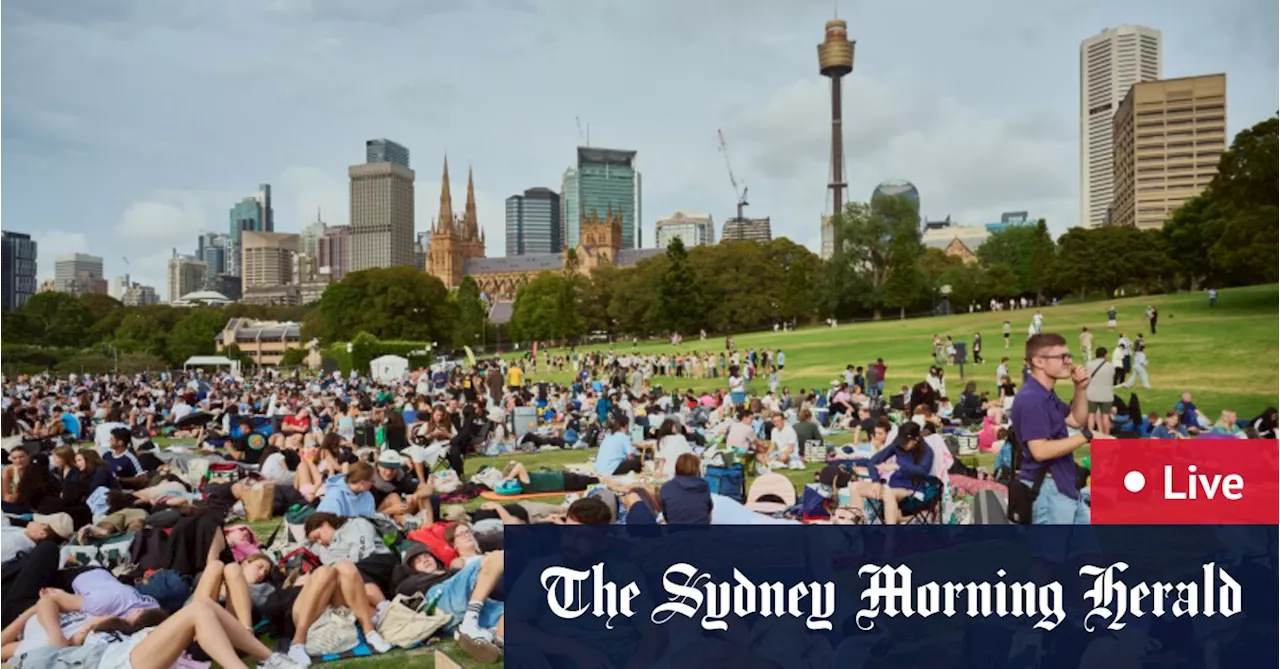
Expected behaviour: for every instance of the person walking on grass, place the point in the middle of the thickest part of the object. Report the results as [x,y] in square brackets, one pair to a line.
[1007,330]
[1139,369]
[1086,344]
[1111,317]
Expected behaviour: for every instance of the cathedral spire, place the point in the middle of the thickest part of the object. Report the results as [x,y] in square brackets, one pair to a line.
[444,220]
[471,226]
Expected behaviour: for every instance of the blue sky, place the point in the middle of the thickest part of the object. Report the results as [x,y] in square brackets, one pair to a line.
[129,126]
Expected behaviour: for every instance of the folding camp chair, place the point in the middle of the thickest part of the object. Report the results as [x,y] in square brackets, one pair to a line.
[924,506]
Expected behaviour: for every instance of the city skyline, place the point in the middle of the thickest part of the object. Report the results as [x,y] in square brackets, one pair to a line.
[157,176]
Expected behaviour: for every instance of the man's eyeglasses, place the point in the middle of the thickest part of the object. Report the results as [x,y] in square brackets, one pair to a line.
[1065,357]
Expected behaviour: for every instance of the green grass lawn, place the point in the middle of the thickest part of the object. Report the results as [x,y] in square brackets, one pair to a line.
[1226,356]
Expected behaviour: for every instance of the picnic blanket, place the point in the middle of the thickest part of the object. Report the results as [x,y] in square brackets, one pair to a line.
[491,495]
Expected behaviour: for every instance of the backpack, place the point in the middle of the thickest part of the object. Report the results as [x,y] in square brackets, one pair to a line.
[301,559]
[730,481]
[815,504]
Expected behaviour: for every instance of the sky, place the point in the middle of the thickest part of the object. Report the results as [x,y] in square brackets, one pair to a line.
[131,126]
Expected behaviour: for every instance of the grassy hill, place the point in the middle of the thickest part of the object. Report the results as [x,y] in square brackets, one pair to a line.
[1226,356]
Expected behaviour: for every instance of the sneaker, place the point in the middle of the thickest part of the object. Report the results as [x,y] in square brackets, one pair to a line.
[473,630]
[376,642]
[279,661]
[298,653]
[480,650]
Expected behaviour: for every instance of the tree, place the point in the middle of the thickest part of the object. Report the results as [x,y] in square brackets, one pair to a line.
[57,319]
[195,334]
[1042,251]
[397,303]
[1245,253]
[472,314]
[802,270]
[1248,172]
[1190,230]
[100,305]
[679,304]
[904,285]
[545,309]
[1015,248]
[864,255]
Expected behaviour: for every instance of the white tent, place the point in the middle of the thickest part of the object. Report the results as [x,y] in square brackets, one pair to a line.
[389,368]
[213,361]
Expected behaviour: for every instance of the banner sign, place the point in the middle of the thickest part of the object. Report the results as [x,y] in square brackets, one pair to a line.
[842,596]
[1186,481]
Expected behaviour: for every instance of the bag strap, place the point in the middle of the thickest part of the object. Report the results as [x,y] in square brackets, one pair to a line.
[1017,463]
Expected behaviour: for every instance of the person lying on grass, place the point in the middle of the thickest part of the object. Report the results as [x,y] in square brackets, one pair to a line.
[115,643]
[462,591]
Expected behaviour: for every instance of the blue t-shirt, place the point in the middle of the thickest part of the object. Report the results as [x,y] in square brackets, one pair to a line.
[71,424]
[124,465]
[615,448]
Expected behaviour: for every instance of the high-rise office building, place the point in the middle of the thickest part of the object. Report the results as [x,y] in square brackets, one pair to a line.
[78,274]
[570,208]
[333,252]
[382,208]
[213,248]
[1110,63]
[533,223]
[1169,135]
[252,213]
[692,229]
[747,230]
[604,180]
[385,151]
[18,264]
[268,259]
[187,274]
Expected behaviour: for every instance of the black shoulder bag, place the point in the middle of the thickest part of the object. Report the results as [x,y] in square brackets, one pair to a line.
[1021,496]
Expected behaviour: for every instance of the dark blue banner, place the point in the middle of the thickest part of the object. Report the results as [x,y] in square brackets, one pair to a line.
[988,597]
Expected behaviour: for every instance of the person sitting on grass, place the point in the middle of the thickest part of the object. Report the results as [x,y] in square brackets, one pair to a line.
[249,446]
[348,494]
[786,445]
[395,492]
[617,456]
[111,643]
[122,462]
[1170,428]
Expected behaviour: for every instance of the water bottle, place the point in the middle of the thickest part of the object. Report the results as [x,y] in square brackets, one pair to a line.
[431,608]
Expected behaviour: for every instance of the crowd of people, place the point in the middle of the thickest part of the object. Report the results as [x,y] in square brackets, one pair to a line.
[371,478]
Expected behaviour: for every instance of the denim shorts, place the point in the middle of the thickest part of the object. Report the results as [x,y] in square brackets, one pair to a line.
[455,594]
[1062,518]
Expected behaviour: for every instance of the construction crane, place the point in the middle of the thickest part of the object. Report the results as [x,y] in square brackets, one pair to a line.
[740,193]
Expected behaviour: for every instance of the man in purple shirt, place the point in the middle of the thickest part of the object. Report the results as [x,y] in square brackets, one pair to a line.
[1040,421]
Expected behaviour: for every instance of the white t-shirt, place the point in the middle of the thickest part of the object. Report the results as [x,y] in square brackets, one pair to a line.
[13,540]
[786,438]
[274,468]
[736,384]
[671,447]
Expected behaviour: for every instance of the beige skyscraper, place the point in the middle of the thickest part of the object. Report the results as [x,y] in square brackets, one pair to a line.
[267,260]
[382,207]
[186,274]
[1169,135]
[1110,63]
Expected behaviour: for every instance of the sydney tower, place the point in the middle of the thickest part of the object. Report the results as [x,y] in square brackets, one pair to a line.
[835,59]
